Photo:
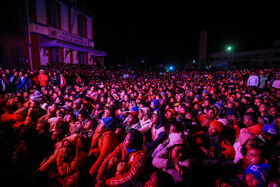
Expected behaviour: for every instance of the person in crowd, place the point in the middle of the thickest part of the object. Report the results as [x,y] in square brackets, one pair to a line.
[253,80]
[43,78]
[103,143]
[132,121]
[257,175]
[158,131]
[131,152]
[207,118]
[245,140]
[160,178]
[21,82]
[177,128]
[86,132]
[174,160]
[70,161]
[276,82]
[251,123]
[28,82]
[144,119]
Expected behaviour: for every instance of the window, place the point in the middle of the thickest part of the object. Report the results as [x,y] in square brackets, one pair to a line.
[17,55]
[82,25]
[55,55]
[53,14]
[82,58]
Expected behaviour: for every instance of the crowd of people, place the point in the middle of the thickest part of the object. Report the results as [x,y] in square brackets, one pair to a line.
[77,125]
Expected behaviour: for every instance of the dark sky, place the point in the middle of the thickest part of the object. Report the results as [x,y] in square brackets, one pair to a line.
[168,32]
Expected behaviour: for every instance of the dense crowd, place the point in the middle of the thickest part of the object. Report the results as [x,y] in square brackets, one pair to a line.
[76,125]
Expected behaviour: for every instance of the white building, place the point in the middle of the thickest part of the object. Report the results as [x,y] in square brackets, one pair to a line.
[60,31]
[246,59]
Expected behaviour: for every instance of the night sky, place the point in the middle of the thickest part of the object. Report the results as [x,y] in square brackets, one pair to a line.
[168,32]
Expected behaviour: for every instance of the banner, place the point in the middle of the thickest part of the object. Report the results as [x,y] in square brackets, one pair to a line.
[68,37]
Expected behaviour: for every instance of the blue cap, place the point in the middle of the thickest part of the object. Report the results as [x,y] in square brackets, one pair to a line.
[260,172]
[134,108]
[110,123]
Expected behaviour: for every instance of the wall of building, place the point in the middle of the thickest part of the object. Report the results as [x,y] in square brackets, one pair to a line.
[8,43]
[39,32]
[41,12]
[246,59]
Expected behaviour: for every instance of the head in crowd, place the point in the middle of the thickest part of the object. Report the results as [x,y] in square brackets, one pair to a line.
[160,179]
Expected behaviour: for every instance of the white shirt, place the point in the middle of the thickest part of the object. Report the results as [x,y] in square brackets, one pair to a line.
[276,84]
[253,80]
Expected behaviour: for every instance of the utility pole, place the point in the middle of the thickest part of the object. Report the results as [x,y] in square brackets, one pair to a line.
[29,37]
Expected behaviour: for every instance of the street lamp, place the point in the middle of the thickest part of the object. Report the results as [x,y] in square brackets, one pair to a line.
[230,49]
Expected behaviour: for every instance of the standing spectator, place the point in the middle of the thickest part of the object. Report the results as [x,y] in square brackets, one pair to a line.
[28,82]
[43,78]
[62,81]
[263,78]
[21,82]
[276,82]
[15,81]
[55,80]
[2,84]
[8,77]
[253,80]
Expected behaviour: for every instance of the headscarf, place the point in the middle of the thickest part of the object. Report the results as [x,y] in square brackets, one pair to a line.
[136,142]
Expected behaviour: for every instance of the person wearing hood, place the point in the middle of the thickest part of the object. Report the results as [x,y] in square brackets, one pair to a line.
[131,154]
[104,140]
[217,151]
[216,146]
[144,119]
[154,104]
[174,159]
[71,161]
[245,139]
[158,131]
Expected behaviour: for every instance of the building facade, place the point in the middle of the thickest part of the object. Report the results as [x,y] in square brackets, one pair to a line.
[54,31]
[246,59]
